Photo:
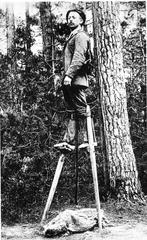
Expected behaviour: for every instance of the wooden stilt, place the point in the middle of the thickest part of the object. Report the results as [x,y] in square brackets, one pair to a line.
[54,185]
[76,161]
[91,140]
[93,165]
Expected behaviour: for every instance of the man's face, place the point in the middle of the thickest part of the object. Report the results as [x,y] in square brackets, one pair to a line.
[74,20]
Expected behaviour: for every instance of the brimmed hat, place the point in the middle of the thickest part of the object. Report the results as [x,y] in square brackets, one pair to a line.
[81,13]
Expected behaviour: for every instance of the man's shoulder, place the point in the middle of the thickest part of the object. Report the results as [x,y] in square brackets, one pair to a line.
[82,34]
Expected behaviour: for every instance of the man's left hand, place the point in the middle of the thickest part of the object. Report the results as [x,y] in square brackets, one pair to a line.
[67,81]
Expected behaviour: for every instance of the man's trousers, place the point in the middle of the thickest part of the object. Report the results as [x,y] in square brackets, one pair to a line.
[75,99]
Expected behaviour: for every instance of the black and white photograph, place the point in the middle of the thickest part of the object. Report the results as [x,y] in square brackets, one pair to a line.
[73,142]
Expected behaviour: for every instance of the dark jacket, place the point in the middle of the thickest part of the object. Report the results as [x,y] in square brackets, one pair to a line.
[75,56]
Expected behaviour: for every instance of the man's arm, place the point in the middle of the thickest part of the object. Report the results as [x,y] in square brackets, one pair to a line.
[79,55]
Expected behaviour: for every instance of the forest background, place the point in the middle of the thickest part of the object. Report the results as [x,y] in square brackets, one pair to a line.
[33,115]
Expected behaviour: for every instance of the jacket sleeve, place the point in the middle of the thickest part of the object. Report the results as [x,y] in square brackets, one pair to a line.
[79,56]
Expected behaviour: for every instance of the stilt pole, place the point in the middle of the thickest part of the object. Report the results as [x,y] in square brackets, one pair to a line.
[54,185]
[93,166]
[76,161]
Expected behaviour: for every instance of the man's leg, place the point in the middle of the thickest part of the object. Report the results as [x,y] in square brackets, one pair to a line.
[69,135]
[68,97]
[79,101]
[75,99]
[80,106]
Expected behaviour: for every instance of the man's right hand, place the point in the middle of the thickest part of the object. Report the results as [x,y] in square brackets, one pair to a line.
[67,81]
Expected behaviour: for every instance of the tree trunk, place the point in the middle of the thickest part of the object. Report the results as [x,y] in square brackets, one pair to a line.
[28,40]
[47,32]
[10,26]
[121,164]
[28,28]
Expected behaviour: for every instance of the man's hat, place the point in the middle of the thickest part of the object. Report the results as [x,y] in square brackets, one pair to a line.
[81,13]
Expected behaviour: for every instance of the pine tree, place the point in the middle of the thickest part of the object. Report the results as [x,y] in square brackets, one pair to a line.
[11,78]
[122,174]
[47,33]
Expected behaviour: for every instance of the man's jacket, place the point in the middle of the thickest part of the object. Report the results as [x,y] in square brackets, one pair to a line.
[75,57]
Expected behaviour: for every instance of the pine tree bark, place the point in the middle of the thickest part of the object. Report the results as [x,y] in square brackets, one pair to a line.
[10,26]
[28,27]
[47,32]
[121,164]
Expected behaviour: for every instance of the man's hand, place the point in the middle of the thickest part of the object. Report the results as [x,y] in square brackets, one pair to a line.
[67,81]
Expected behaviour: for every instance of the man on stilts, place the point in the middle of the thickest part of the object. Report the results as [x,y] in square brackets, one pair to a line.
[75,82]
[75,79]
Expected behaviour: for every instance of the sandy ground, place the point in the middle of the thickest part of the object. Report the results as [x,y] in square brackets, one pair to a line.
[131,231]
[126,223]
